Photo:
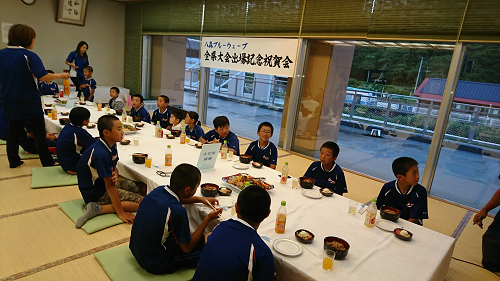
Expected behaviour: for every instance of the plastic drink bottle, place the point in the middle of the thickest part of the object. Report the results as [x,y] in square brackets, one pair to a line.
[371,213]
[281,219]
[54,113]
[224,150]
[157,128]
[168,156]
[66,87]
[99,105]
[183,135]
[284,174]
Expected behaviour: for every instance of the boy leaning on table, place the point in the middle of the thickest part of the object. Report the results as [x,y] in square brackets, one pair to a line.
[98,176]
[138,109]
[161,240]
[74,140]
[222,133]
[404,193]
[235,244]
[326,173]
[263,150]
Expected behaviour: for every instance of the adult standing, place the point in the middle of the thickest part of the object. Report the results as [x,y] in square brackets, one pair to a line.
[20,71]
[77,60]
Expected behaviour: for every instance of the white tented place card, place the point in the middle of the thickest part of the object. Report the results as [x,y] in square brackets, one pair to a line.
[208,155]
[71,100]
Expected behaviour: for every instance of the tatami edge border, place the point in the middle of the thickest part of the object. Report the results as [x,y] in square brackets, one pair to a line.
[15,177]
[463,223]
[28,211]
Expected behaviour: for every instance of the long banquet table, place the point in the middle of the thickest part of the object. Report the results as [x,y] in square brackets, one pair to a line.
[373,253]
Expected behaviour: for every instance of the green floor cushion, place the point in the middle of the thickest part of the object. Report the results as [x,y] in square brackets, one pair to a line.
[3,142]
[51,176]
[120,264]
[27,156]
[76,208]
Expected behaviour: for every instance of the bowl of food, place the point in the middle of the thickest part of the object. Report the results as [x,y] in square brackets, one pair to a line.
[140,125]
[338,245]
[224,191]
[199,145]
[48,105]
[63,121]
[125,142]
[389,213]
[136,119]
[119,112]
[326,192]
[304,236]
[139,158]
[403,234]
[65,113]
[306,182]
[245,159]
[170,136]
[209,189]
[176,133]
[90,126]
[257,165]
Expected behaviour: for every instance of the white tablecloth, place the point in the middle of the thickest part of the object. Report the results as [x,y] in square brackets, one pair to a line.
[373,253]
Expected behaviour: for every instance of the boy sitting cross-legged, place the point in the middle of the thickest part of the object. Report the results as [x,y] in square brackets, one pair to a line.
[222,133]
[161,240]
[98,176]
[138,109]
[262,150]
[162,114]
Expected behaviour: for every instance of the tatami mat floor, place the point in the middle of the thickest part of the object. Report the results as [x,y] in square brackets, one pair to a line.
[38,241]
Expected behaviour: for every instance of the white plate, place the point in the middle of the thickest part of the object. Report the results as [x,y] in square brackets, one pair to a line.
[311,193]
[386,225]
[241,166]
[287,247]
[227,202]
[192,142]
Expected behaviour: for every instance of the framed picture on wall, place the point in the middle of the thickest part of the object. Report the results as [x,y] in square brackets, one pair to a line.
[72,11]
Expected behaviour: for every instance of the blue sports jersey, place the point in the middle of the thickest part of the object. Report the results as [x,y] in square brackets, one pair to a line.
[333,179]
[78,61]
[160,225]
[232,140]
[243,252]
[267,155]
[71,144]
[163,117]
[49,89]
[97,162]
[91,84]
[196,133]
[412,205]
[142,112]
[20,70]
[116,104]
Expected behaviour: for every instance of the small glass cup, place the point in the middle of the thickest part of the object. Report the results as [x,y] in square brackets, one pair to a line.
[353,206]
[230,153]
[149,159]
[295,183]
[107,108]
[136,141]
[188,140]
[328,258]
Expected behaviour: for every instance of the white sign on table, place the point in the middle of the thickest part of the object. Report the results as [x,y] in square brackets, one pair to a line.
[71,100]
[208,155]
[273,56]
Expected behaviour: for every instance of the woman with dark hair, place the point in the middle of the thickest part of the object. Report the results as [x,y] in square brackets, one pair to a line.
[20,71]
[77,60]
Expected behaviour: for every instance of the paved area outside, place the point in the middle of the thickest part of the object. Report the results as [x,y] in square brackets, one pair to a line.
[463,177]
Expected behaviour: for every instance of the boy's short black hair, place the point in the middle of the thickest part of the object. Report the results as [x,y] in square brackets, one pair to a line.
[333,146]
[140,97]
[89,68]
[49,71]
[254,203]
[77,115]
[184,175]
[220,121]
[178,115]
[165,98]
[266,124]
[105,122]
[193,115]
[116,89]
[402,165]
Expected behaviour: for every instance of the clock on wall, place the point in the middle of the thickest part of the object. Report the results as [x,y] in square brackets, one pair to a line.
[29,2]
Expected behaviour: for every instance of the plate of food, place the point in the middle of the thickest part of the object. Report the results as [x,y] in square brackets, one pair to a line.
[311,193]
[237,182]
[304,236]
[129,129]
[287,247]
[241,166]
[386,225]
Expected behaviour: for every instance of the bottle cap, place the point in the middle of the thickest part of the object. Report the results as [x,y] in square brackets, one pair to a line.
[374,200]
[286,163]
[225,141]
[168,146]
[157,122]
[283,203]
[247,183]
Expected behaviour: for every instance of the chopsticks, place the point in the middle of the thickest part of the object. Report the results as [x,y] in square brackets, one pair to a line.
[220,215]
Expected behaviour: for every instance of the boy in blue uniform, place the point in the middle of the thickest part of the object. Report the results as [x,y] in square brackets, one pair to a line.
[245,255]
[405,194]
[262,150]
[161,241]
[74,140]
[326,173]
[193,129]
[222,133]
[49,87]
[98,176]
[138,110]
[88,84]
[115,103]
[491,238]
[175,120]
[162,114]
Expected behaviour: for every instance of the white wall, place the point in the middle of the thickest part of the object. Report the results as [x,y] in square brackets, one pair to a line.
[104,31]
